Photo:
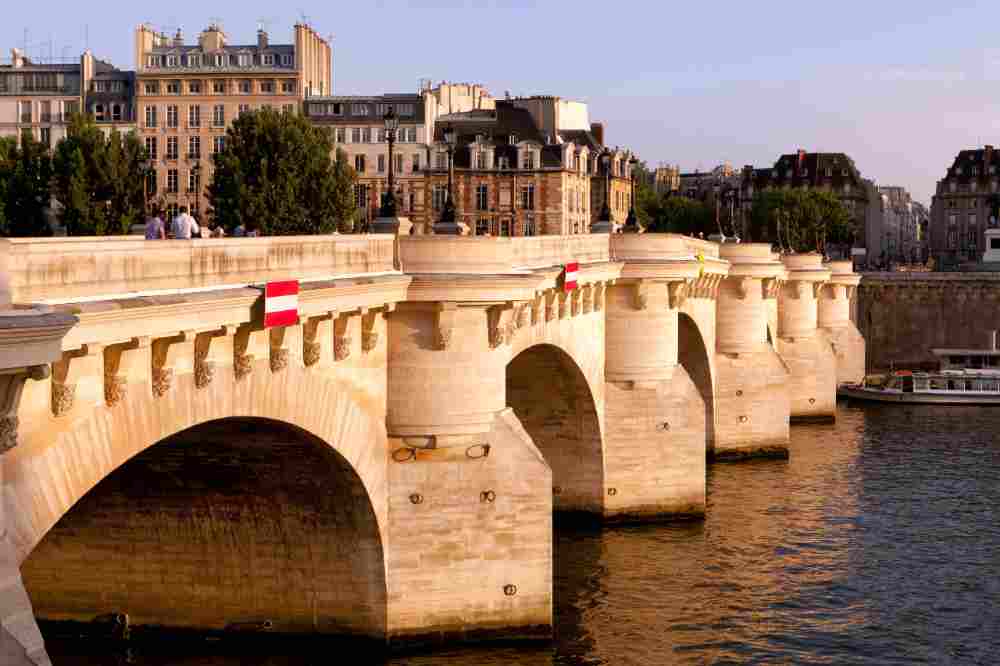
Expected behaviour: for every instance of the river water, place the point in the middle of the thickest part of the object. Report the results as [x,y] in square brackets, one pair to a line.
[878,542]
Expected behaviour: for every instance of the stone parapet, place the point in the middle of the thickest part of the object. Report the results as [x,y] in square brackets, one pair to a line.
[797,300]
[741,319]
[56,270]
[472,255]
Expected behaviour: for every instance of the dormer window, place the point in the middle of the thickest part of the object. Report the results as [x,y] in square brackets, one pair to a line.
[220,59]
[243,59]
[286,60]
[512,139]
[172,61]
[194,60]
[268,60]
[528,160]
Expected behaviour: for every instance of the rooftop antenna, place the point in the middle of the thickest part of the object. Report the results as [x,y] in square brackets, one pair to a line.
[264,24]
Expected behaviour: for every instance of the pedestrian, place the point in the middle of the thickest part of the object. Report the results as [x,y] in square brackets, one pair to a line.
[184,226]
[240,231]
[154,226]
[218,231]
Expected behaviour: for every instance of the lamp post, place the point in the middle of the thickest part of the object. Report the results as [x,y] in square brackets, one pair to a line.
[196,170]
[603,224]
[632,221]
[447,223]
[391,122]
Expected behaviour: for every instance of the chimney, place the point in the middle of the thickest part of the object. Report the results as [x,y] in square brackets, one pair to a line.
[178,38]
[597,129]
[802,156]
[261,39]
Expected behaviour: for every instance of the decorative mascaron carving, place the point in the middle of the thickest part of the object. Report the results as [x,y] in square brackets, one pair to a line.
[242,365]
[163,378]
[369,336]
[640,295]
[677,292]
[444,324]
[311,352]
[279,359]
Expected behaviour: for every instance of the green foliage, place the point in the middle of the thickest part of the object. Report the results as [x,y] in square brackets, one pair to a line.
[99,180]
[276,174]
[800,220]
[25,173]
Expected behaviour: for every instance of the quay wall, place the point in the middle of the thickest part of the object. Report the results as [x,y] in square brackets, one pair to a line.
[904,315]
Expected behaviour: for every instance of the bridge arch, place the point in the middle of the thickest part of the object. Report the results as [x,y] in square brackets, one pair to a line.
[325,485]
[693,354]
[553,399]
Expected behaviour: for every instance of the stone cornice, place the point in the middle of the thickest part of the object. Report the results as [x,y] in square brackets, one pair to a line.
[475,288]
[32,336]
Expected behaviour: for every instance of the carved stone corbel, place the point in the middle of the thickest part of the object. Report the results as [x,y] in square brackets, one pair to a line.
[312,346]
[769,287]
[522,317]
[817,289]
[640,295]
[242,361]
[63,378]
[341,338]
[162,371]
[204,370]
[498,317]
[279,355]
[576,302]
[444,324]
[588,298]
[600,290]
[551,304]
[850,290]
[537,310]
[116,382]
[11,386]
[677,293]
[369,336]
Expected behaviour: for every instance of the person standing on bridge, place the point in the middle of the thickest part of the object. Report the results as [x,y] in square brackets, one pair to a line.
[184,226]
[154,226]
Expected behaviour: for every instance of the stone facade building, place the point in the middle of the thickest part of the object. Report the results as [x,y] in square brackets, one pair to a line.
[356,122]
[38,98]
[902,223]
[964,206]
[188,94]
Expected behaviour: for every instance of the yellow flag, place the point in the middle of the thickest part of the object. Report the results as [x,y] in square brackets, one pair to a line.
[701,264]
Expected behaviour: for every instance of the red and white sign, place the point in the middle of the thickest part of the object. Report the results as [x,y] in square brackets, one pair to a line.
[569,277]
[281,303]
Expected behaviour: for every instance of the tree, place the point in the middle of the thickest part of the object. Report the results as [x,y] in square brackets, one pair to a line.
[276,173]
[99,180]
[800,220]
[25,174]
[680,215]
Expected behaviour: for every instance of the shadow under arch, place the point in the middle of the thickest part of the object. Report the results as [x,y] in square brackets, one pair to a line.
[692,354]
[236,523]
[551,397]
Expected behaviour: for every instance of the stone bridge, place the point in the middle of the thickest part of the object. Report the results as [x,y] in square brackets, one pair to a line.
[388,466]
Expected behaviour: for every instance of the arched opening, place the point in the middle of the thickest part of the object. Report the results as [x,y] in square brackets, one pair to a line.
[239,524]
[551,397]
[693,356]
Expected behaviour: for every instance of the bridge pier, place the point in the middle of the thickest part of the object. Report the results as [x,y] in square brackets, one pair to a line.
[752,399]
[470,495]
[835,321]
[806,351]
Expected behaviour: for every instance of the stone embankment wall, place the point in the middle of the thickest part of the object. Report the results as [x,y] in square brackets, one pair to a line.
[904,315]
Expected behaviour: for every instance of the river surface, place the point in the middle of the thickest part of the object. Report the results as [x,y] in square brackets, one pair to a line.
[878,542]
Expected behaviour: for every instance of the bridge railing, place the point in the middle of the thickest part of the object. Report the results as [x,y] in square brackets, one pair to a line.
[484,256]
[64,269]
[658,247]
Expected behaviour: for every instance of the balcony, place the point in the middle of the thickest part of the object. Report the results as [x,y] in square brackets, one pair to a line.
[25,117]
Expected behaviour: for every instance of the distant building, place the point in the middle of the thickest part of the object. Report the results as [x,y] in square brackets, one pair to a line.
[964,206]
[667,179]
[188,94]
[37,98]
[902,223]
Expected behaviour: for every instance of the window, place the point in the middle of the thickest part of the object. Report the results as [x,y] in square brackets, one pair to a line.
[972,220]
[193,181]
[150,116]
[405,109]
[268,59]
[153,61]
[381,163]
[220,59]
[288,87]
[245,87]
[171,116]
[416,162]
[481,159]
[25,112]
[528,197]
[340,135]
[151,87]
[116,112]
[194,116]
[355,135]
[46,136]
[219,87]
[218,144]
[528,160]
[243,59]
[244,108]
[286,60]
[952,239]
[172,61]
[151,147]
[171,147]
[972,238]
[399,163]
[194,60]
[98,113]
[194,147]
[359,109]
[267,87]
[361,196]
[172,181]
[366,134]
[439,196]
[336,109]
[219,115]
[441,160]
[194,87]
[482,226]
[359,163]
[173,87]
[482,197]
[380,136]
[288,108]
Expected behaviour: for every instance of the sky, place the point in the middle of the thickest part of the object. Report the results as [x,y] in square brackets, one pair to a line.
[899,85]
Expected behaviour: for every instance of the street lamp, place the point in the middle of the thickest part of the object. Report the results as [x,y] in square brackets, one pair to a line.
[603,224]
[391,122]
[196,170]
[632,221]
[447,224]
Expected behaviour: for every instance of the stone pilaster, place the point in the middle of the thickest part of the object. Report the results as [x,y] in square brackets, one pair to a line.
[30,339]
[806,351]
[835,321]
[752,394]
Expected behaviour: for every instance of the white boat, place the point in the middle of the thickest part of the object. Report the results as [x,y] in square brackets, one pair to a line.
[966,377]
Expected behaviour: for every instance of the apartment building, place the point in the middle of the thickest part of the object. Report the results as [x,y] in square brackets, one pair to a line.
[37,98]
[188,94]
[966,203]
[357,127]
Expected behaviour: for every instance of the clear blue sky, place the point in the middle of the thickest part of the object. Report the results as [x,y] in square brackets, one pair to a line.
[900,85]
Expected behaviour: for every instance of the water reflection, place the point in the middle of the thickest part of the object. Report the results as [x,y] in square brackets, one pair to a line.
[876,543]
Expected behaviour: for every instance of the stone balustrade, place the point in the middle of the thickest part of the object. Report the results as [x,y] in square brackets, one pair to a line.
[470,255]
